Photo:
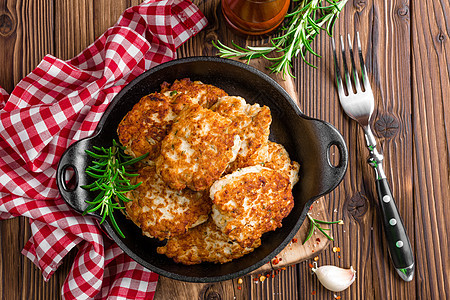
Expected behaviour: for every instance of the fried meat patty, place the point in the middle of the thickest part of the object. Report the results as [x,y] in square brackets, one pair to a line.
[253,125]
[198,149]
[144,127]
[274,156]
[162,212]
[185,91]
[204,243]
[250,202]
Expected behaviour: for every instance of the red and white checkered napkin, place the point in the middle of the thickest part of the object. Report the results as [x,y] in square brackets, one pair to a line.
[59,103]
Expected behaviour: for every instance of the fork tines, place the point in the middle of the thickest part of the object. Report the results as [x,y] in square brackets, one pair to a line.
[348,82]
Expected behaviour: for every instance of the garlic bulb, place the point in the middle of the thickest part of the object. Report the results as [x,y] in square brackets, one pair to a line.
[334,278]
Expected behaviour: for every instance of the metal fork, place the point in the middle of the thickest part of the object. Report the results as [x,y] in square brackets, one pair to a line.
[359,106]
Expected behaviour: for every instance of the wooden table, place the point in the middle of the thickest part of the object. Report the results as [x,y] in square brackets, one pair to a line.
[407,51]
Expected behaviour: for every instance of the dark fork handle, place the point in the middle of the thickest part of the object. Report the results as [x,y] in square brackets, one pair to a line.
[397,239]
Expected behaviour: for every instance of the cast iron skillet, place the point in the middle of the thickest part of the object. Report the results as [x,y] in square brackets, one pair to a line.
[307,140]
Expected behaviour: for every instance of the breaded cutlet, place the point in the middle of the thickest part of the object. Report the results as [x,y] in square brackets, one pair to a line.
[250,202]
[149,121]
[143,128]
[162,212]
[253,126]
[185,91]
[197,150]
[274,156]
[204,243]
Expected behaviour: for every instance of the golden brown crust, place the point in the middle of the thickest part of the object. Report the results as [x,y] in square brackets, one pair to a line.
[204,243]
[250,202]
[274,156]
[144,127]
[150,120]
[197,150]
[162,212]
[184,90]
[252,123]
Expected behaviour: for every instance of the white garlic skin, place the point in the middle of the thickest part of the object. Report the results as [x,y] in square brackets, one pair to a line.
[334,278]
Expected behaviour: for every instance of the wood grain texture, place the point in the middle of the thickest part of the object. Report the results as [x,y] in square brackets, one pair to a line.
[407,52]
[430,85]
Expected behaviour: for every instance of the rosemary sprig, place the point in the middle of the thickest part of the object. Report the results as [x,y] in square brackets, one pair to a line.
[314,223]
[302,25]
[111,169]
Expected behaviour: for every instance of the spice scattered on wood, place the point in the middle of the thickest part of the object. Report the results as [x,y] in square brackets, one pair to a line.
[313,293]
[310,265]
[276,261]
[336,249]
[240,281]
[239,287]
[316,258]
[262,278]
[337,297]
[294,240]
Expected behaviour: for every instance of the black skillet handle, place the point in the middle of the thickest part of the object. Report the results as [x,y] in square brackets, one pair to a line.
[397,239]
[70,176]
[332,174]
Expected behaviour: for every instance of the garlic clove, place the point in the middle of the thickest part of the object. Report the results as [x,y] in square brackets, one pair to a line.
[334,278]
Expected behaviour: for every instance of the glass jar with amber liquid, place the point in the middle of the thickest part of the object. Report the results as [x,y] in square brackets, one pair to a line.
[254,17]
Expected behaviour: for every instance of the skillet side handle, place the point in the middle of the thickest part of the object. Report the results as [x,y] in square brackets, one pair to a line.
[332,174]
[70,176]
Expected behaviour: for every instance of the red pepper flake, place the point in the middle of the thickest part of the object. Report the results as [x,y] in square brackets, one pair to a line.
[275,261]
[312,250]
[311,265]
[339,256]
[310,208]
[239,287]
[281,258]
[337,297]
[318,240]
[273,275]
[255,279]
[294,240]
[313,293]
[283,268]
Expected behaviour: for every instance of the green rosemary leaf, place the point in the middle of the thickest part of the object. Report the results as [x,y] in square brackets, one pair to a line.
[321,230]
[113,221]
[95,175]
[134,160]
[310,233]
[110,169]
[327,222]
[302,25]
[95,155]
[123,198]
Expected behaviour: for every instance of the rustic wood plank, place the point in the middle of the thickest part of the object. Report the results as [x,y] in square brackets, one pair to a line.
[10,28]
[431,119]
[385,39]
